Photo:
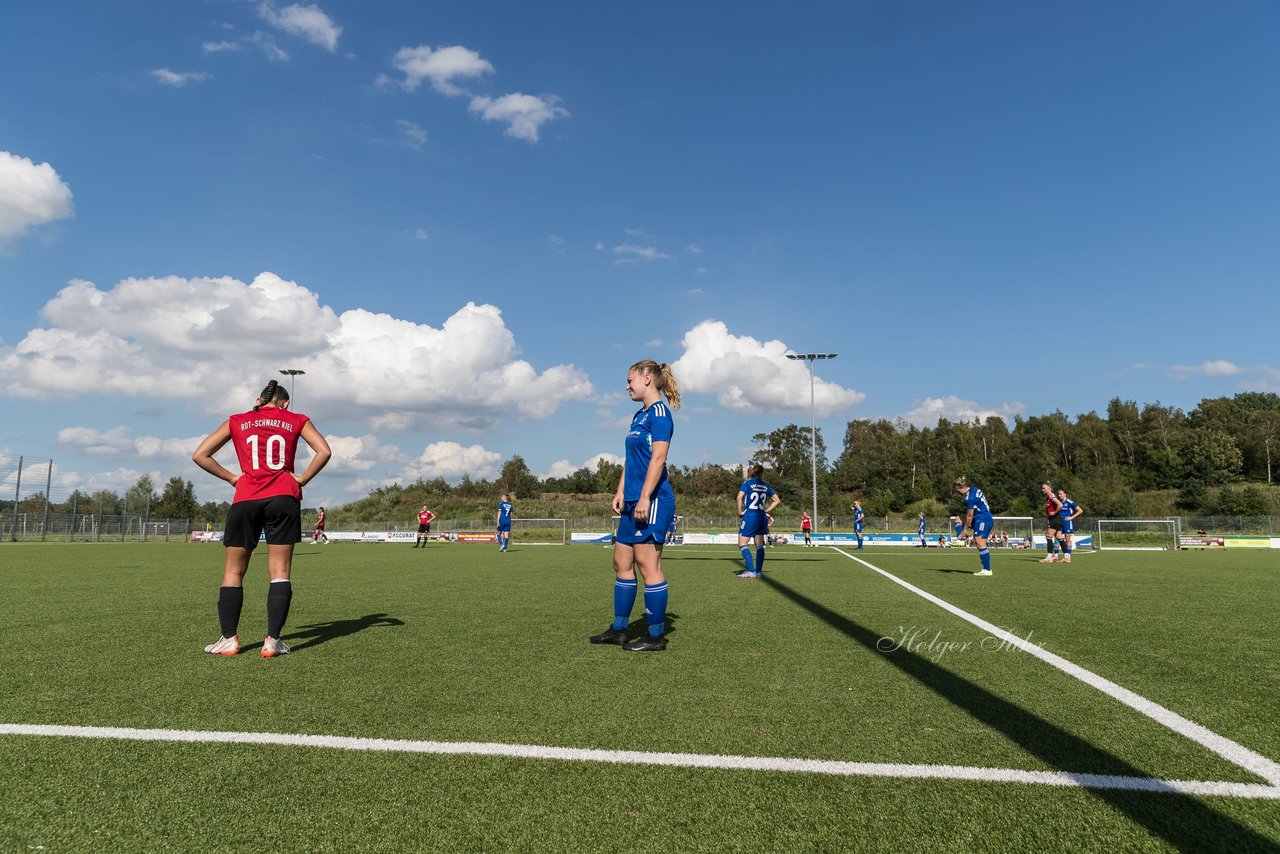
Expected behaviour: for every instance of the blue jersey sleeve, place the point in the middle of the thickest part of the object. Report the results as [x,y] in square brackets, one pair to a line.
[662,426]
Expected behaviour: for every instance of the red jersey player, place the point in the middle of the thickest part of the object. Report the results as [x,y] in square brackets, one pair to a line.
[268,499]
[1052,507]
[424,526]
[318,533]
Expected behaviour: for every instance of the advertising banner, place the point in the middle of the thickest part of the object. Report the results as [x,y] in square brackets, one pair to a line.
[1200,541]
[1247,542]
[477,537]
[206,536]
[590,537]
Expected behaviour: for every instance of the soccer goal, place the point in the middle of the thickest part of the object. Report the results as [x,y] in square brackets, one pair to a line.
[1147,535]
[540,532]
[1019,529]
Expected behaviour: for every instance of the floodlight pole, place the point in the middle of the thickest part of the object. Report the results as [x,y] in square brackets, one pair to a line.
[809,359]
[291,373]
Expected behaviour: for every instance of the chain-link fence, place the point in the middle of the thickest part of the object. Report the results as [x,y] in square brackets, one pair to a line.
[42,526]
[26,527]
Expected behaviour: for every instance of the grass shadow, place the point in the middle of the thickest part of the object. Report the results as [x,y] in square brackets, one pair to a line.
[639,627]
[1182,821]
[318,633]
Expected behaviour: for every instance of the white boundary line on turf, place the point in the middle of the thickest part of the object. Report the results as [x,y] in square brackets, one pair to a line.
[1236,753]
[1061,779]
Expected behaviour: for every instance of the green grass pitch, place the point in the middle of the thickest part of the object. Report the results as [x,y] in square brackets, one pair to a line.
[458,643]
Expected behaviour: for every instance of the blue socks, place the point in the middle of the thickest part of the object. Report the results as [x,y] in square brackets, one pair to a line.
[985,556]
[746,558]
[760,559]
[655,605]
[655,609]
[624,599]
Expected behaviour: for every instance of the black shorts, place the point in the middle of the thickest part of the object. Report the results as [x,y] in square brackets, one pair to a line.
[279,516]
[1051,523]
[424,529]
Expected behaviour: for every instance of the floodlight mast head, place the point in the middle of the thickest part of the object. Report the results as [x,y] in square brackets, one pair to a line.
[291,373]
[809,359]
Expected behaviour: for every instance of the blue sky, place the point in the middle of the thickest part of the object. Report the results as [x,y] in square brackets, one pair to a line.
[464,220]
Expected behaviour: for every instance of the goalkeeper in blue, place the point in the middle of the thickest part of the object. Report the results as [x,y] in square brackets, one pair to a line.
[645,504]
[756,499]
[979,520]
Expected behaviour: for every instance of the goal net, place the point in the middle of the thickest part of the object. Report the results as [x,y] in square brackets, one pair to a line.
[1019,528]
[540,532]
[1151,535]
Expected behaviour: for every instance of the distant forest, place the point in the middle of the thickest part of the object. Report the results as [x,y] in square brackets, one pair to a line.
[1219,459]
[1215,459]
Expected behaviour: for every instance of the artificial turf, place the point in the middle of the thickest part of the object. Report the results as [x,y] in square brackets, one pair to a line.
[460,643]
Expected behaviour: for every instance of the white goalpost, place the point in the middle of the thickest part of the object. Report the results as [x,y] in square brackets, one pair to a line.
[1019,528]
[1148,535]
[540,532]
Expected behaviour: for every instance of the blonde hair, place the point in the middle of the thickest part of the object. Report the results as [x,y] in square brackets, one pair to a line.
[665,380]
[962,483]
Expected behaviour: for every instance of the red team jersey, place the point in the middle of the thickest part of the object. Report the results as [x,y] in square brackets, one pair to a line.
[265,443]
[1049,512]
[425,517]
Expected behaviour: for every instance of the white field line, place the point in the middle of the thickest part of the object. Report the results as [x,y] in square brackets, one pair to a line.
[1061,779]
[1233,752]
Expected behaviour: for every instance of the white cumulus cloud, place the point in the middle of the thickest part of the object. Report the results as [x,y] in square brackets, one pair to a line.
[442,66]
[178,79]
[1213,368]
[564,468]
[31,194]
[305,22]
[219,340]
[523,114]
[451,460]
[750,376]
[927,412]
[119,442]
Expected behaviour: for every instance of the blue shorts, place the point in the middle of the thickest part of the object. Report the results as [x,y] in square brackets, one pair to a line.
[753,525]
[652,530]
[857,527]
[504,529]
[1067,526]
[982,526]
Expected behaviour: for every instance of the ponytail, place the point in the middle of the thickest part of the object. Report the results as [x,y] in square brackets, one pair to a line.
[273,392]
[667,383]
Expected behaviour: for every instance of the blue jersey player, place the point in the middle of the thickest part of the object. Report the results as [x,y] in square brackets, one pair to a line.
[645,504]
[858,516]
[978,518]
[924,543]
[504,521]
[1070,512]
[756,499]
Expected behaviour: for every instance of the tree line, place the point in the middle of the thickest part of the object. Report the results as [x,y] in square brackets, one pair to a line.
[1107,463]
[1214,459]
